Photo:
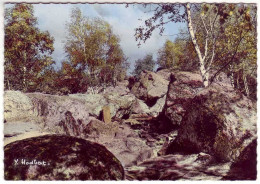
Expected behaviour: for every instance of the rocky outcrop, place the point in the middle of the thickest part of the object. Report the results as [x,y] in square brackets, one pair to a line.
[61,114]
[14,131]
[140,107]
[150,87]
[245,166]
[216,120]
[182,88]
[55,157]
[124,142]
[178,167]
[118,99]
[17,106]
[163,126]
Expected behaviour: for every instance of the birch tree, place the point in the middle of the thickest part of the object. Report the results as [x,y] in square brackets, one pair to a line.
[27,49]
[92,49]
[204,22]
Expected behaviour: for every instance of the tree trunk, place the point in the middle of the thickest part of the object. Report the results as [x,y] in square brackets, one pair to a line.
[24,73]
[8,84]
[246,85]
[203,71]
[238,86]
[232,76]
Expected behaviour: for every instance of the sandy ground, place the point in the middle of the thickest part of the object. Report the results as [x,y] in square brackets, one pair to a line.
[14,131]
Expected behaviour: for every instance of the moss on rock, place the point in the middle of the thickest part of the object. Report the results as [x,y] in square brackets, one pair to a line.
[65,158]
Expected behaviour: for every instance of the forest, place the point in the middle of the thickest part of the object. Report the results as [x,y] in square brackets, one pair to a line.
[220,37]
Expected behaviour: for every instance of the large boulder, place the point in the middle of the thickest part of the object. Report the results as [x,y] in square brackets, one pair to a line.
[55,157]
[140,107]
[124,142]
[119,99]
[61,114]
[182,88]
[245,166]
[216,120]
[17,106]
[150,87]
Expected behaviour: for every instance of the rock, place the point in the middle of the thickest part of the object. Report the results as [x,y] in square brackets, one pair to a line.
[15,105]
[177,167]
[106,114]
[61,114]
[158,107]
[14,131]
[122,103]
[141,117]
[139,107]
[245,166]
[218,121]
[123,142]
[118,99]
[150,87]
[94,102]
[132,122]
[97,128]
[60,158]
[165,73]
[182,88]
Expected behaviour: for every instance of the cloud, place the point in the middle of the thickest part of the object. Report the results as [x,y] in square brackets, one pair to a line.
[52,17]
[124,21]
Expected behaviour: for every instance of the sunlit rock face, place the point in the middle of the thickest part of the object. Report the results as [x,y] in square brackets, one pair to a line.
[55,157]
[150,87]
[217,120]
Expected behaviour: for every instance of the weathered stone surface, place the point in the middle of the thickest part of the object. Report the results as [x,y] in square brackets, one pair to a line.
[66,158]
[218,121]
[106,114]
[17,106]
[94,102]
[165,73]
[61,114]
[178,167]
[182,88]
[14,131]
[123,142]
[97,128]
[150,87]
[245,166]
[118,99]
[139,107]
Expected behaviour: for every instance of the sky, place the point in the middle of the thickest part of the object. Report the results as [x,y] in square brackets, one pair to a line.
[53,17]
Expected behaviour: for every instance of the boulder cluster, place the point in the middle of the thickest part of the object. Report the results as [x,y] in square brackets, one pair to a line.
[163,126]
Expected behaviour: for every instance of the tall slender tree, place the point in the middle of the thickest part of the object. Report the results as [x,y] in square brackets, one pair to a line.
[27,49]
[207,19]
[92,47]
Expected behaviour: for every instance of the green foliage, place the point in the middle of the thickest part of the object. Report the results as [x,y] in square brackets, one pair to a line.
[225,36]
[27,49]
[92,50]
[177,55]
[147,63]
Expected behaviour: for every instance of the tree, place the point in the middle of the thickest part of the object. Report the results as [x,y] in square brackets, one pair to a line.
[204,32]
[147,63]
[236,51]
[27,49]
[166,55]
[93,49]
